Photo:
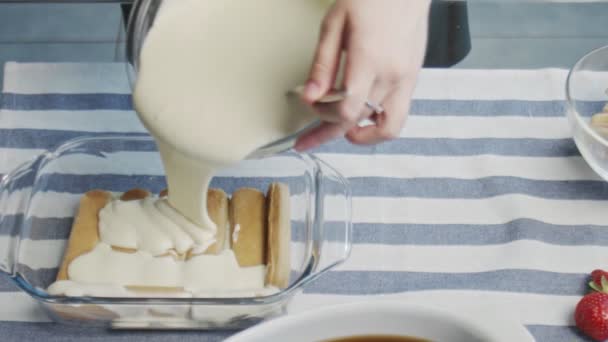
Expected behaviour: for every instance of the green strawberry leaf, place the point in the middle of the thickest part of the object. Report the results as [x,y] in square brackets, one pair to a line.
[604,284]
[594,286]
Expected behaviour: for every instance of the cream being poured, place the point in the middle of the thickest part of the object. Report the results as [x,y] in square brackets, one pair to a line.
[212,82]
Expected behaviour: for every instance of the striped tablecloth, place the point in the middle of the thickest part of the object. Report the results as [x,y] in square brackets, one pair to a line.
[483,202]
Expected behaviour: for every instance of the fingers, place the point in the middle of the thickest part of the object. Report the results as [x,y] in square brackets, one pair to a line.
[325,132]
[330,111]
[359,79]
[327,57]
[387,125]
[379,92]
[365,79]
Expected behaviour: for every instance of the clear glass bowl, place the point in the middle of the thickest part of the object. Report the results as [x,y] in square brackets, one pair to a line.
[141,21]
[586,95]
[38,201]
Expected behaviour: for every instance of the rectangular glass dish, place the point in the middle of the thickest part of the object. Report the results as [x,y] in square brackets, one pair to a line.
[39,199]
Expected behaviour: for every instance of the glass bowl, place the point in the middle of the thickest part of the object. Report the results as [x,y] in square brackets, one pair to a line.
[38,201]
[586,95]
[141,21]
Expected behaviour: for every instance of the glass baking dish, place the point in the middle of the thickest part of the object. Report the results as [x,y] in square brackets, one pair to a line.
[39,199]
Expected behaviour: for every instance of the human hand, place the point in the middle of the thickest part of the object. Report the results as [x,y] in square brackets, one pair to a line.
[384,42]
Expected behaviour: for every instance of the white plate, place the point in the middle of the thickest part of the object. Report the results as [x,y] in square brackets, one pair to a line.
[376,317]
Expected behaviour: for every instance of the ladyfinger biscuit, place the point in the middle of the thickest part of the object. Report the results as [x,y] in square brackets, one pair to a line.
[217,207]
[85,234]
[124,249]
[84,312]
[279,236]
[135,194]
[599,122]
[143,289]
[248,226]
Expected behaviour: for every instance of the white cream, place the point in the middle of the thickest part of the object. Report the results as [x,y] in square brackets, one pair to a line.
[153,228]
[74,289]
[212,82]
[151,225]
[209,274]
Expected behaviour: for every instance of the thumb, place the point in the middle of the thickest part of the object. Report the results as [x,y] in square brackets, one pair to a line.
[327,58]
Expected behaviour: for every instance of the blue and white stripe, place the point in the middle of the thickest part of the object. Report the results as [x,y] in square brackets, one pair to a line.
[483,201]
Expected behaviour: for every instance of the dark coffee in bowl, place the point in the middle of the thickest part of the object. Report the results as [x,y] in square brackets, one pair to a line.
[378,338]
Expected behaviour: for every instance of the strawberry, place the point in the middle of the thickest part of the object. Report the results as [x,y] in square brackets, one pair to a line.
[591,315]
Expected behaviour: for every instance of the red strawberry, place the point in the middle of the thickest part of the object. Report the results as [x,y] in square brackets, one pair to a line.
[591,315]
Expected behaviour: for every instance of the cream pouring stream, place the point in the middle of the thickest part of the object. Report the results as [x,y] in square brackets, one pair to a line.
[211,86]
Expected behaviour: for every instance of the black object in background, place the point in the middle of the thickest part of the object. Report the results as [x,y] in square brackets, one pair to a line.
[449,40]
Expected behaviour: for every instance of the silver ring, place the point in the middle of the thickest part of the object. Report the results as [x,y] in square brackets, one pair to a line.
[378,109]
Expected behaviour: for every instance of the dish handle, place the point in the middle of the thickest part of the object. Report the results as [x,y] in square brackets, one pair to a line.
[333,220]
[15,191]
